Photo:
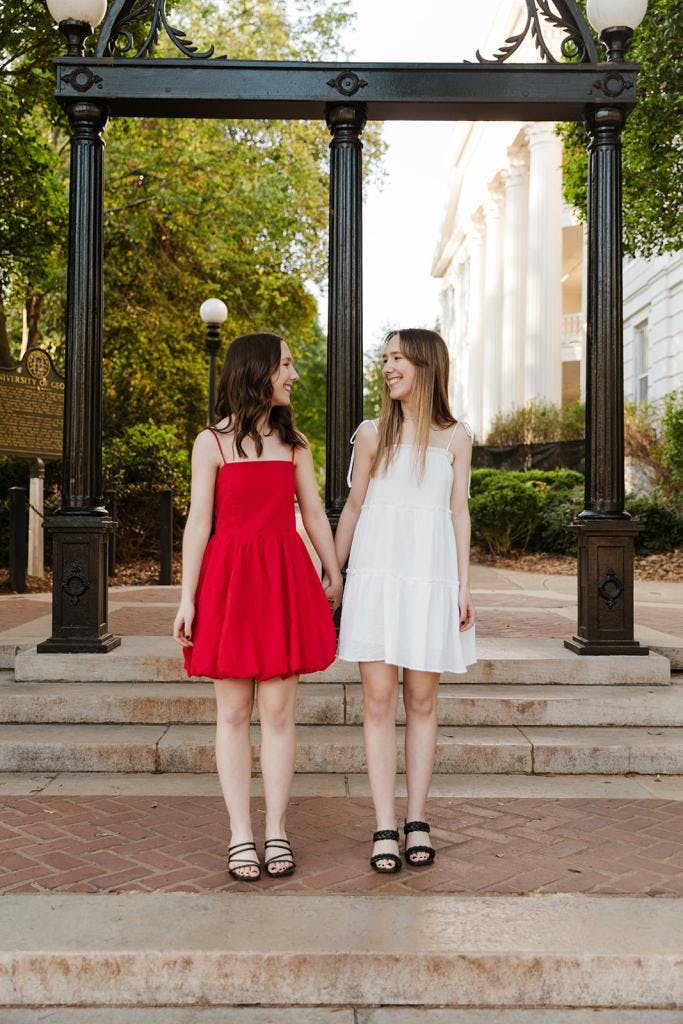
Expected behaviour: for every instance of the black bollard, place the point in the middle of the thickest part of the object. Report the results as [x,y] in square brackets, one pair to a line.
[110,503]
[166,537]
[17,539]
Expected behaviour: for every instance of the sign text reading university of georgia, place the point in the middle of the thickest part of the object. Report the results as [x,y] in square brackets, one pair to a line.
[32,408]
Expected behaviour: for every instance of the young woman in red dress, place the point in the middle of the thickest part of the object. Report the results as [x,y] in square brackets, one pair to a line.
[253,613]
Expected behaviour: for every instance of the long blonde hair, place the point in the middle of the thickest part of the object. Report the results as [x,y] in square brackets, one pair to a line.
[428,353]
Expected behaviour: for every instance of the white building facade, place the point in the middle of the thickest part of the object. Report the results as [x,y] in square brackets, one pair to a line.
[511,256]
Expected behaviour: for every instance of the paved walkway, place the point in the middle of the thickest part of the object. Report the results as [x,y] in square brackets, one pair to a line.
[95,844]
[508,602]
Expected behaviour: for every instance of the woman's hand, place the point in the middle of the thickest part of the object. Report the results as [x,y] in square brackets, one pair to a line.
[333,591]
[182,627]
[466,609]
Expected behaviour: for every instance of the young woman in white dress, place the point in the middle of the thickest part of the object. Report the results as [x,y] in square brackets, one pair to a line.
[407,599]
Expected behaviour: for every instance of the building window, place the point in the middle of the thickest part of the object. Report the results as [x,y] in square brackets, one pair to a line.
[642,361]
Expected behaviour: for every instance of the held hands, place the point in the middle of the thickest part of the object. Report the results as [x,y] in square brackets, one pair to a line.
[182,627]
[333,591]
[466,609]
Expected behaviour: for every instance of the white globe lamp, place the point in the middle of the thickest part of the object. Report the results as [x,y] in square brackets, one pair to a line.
[77,19]
[213,311]
[614,21]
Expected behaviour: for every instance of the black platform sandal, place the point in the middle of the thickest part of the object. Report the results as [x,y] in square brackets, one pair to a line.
[418,826]
[385,833]
[286,856]
[242,862]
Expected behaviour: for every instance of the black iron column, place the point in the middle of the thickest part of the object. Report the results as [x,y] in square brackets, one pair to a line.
[345,302]
[213,344]
[605,532]
[81,528]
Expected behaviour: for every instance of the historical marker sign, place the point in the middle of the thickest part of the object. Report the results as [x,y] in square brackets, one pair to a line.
[32,408]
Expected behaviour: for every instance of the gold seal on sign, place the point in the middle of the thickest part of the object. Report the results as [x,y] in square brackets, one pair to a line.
[38,365]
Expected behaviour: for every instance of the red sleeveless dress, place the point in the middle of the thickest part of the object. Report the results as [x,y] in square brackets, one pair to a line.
[260,608]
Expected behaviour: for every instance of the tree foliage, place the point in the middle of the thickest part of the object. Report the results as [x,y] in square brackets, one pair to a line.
[652,141]
[236,209]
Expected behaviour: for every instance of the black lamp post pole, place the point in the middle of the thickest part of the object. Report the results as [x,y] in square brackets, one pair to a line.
[605,532]
[81,528]
[345,302]
[213,343]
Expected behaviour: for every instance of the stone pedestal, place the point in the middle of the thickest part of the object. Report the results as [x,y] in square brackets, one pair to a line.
[79,600]
[605,588]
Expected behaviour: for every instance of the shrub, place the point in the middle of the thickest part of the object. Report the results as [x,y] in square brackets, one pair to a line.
[538,421]
[504,512]
[672,447]
[663,525]
[137,465]
[558,509]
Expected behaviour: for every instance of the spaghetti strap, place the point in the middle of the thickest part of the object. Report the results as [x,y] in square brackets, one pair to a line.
[353,448]
[220,447]
[465,426]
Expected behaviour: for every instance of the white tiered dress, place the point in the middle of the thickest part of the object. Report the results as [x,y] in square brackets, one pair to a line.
[401,595]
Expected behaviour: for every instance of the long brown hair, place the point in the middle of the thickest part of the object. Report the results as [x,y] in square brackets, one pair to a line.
[428,353]
[245,392]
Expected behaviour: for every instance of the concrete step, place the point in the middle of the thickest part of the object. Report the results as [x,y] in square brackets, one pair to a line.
[521,662]
[339,749]
[339,704]
[333,1015]
[185,950]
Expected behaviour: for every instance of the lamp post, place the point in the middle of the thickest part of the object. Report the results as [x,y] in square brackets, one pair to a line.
[81,529]
[604,530]
[213,312]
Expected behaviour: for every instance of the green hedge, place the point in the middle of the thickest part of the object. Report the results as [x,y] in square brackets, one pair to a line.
[532,510]
[144,460]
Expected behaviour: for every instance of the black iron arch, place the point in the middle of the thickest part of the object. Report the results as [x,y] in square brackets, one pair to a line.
[120,80]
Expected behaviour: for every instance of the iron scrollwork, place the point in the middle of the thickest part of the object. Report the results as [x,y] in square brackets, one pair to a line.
[116,37]
[577,44]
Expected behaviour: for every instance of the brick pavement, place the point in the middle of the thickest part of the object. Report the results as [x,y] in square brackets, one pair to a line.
[101,844]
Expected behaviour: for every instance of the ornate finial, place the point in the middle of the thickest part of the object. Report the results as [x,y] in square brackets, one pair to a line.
[577,44]
[116,37]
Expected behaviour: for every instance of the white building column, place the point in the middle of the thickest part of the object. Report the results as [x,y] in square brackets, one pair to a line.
[543,357]
[472,410]
[493,305]
[516,182]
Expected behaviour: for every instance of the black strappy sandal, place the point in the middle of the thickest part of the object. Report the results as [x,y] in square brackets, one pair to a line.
[243,863]
[418,826]
[287,856]
[385,833]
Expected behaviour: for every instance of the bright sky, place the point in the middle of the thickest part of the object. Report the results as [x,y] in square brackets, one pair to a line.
[401,219]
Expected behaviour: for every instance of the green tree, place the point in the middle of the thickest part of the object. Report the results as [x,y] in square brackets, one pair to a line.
[652,151]
[232,208]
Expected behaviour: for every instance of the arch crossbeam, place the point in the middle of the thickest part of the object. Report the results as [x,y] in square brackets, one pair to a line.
[302,90]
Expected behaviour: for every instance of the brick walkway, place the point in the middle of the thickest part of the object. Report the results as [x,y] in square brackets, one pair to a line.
[176,844]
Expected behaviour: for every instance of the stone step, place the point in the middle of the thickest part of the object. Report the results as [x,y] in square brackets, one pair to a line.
[339,704]
[333,1015]
[339,749]
[521,662]
[238,949]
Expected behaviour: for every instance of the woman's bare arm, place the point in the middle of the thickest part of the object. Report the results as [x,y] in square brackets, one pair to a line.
[316,523]
[205,465]
[366,446]
[462,450]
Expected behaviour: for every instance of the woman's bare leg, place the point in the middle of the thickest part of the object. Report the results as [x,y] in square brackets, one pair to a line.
[420,692]
[276,700]
[380,702]
[234,703]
